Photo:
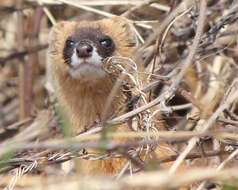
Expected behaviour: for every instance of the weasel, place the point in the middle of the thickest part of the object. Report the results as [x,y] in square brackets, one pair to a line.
[76,52]
[76,55]
[75,71]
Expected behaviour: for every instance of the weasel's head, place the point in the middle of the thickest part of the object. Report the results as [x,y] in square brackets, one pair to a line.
[79,48]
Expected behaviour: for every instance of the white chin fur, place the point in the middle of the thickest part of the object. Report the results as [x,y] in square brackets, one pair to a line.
[88,68]
[87,72]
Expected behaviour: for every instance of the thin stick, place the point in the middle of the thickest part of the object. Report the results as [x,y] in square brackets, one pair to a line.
[128,12]
[22,53]
[98,2]
[221,166]
[87,8]
[47,13]
[188,61]
[22,68]
[97,11]
[206,126]
[159,30]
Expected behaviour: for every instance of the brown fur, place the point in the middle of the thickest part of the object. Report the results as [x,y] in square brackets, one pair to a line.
[84,102]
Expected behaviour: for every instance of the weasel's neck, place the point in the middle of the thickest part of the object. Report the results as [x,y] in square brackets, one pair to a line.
[84,103]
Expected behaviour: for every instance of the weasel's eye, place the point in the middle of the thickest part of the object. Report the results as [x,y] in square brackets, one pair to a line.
[106,42]
[70,42]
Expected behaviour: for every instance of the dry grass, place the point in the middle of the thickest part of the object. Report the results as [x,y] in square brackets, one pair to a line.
[189,50]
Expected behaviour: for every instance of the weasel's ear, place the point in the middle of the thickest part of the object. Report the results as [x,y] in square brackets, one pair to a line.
[128,28]
[57,29]
[59,33]
[54,33]
[62,29]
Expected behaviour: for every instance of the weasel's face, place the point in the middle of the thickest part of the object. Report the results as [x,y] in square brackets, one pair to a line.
[84,52]
[78,49]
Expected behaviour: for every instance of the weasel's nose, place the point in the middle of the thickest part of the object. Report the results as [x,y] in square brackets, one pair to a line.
[84,50]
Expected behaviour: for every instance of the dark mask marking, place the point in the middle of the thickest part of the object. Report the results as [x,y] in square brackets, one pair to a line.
[103,43]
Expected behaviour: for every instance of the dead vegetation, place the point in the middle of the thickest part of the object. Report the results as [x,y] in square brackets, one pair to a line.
[190,53]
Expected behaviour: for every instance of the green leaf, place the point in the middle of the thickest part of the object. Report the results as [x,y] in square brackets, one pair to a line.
[64,124]
[229,187]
